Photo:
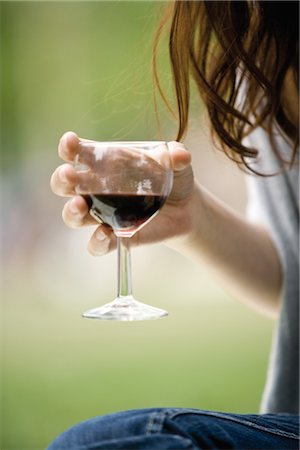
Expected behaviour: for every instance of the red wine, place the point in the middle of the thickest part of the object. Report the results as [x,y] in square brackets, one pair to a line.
[125,213]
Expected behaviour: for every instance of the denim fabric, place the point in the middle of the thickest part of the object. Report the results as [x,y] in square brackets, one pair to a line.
[177,429]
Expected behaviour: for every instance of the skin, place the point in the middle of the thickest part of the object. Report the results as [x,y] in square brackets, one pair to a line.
[193,222]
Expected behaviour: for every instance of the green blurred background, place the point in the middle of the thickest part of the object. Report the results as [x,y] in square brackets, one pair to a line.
[86,66]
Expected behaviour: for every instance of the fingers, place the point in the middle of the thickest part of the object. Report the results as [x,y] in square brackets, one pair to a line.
[181,158]
[68,146]
[76,211]
[76,214]
[64,180]
[102,241]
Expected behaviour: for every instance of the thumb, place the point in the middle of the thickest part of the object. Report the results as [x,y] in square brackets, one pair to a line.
[180,157]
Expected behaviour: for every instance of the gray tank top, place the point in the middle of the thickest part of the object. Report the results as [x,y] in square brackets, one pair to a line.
[275,202]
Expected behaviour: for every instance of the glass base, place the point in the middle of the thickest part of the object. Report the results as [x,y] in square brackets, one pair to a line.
[125,308]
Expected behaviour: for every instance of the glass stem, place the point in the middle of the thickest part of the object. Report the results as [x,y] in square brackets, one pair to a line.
[124,267]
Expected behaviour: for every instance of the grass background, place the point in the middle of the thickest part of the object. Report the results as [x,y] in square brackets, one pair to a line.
[60,369]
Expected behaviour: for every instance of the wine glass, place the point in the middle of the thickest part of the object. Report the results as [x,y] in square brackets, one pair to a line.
[124,184]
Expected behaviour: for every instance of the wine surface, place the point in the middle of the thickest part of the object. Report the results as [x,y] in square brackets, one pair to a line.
[125,213]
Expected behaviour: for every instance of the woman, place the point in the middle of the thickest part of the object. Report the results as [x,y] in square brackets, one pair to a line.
[243,59]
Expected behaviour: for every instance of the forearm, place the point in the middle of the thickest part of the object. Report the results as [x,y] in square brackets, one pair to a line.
[240,254]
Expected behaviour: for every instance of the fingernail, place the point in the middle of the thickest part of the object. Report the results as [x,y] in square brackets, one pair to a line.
[100,235]
[73,207]
[103,240]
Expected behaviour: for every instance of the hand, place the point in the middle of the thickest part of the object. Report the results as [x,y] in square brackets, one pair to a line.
[173,221]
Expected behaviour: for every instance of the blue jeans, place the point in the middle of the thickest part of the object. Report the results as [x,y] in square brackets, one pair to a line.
[177,428]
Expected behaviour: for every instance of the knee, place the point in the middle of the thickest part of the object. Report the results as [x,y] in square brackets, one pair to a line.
[103,429]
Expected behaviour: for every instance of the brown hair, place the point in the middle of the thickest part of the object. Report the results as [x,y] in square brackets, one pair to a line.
[224,45]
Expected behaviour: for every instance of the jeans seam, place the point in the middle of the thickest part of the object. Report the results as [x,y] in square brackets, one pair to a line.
[155,422]
[155,425]
[240,421]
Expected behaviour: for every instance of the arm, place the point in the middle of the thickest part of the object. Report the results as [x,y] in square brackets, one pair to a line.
[239,253]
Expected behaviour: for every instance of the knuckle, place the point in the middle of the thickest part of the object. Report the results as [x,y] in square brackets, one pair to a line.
[53,183]
[60,181]
[61,146]
[63,149]
[67,145]
[56,185]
